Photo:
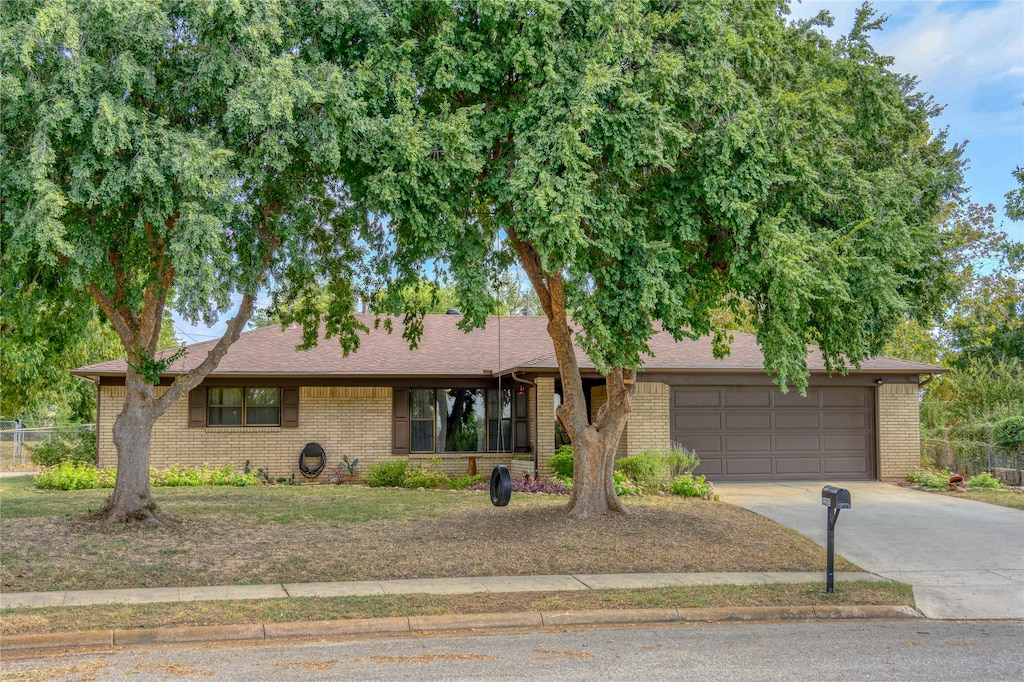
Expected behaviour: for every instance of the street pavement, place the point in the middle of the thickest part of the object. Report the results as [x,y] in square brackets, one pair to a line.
[907,650]
[964,559]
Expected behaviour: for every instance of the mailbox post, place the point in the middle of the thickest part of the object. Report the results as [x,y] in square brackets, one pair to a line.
[833,499]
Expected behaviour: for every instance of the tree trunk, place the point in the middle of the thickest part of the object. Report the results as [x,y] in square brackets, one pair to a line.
[133,430]
[594,443]
[593,484]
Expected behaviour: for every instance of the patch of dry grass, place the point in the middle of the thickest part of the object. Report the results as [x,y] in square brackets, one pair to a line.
[217,536]
[1003,498]
[70,619]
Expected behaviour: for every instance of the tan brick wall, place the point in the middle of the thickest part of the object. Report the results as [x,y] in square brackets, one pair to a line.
[544,423]
[648,425]
[344,420]
[899,432]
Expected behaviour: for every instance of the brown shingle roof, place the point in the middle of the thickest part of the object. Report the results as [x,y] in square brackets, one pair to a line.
[445,350]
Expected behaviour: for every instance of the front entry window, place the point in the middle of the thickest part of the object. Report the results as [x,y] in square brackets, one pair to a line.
[460,420]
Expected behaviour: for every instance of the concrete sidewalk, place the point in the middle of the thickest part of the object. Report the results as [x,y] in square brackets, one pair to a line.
[491,584]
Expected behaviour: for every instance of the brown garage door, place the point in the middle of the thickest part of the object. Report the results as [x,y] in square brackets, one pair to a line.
[759,433]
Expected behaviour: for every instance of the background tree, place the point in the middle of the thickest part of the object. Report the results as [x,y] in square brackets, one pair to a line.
[166,153]
[644,163]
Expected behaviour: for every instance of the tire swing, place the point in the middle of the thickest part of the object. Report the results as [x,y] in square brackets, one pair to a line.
[312,450]
[501,486]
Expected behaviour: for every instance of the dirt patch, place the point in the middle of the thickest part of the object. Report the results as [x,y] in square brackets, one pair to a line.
[533,537]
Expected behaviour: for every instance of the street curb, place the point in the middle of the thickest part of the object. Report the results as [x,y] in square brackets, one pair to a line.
[422,624]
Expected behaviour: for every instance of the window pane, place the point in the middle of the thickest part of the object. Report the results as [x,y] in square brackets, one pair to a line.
[422,435]
[223,397]
[262,416]
[262,397]
[505,432]
[421,403]
[462,426]
[224,416]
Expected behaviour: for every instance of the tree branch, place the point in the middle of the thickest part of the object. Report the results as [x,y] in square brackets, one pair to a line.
[184,383]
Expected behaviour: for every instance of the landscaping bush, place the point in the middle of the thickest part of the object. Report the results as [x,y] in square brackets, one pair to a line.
[930,479]
[647,469]
[69,475]
[562,462]
[463,482]
[655,469]
[623,486]
[983,480]
[427,475]
[389,473]
[689,485]
[225,475]
[61,447]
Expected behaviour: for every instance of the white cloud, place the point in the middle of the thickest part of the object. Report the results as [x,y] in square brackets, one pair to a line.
[960,43]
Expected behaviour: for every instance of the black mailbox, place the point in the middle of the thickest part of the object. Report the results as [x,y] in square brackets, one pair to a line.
[835,498]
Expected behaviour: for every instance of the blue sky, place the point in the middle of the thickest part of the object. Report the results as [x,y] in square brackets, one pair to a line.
[967,54]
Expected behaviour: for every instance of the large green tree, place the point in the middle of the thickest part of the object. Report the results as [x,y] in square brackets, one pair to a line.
[167,153]
[647,163]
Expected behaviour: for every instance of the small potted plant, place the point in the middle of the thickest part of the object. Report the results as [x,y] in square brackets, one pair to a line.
[347,472]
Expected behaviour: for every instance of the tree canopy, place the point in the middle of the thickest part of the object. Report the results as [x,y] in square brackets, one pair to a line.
[647,163]
[166,153]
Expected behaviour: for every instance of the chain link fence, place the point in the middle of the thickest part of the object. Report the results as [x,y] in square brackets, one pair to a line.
[18,438]
[969,458]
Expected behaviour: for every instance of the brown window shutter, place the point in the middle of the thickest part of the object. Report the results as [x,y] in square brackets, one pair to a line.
[521,422]
[197,406]
[290,407]
[400,421]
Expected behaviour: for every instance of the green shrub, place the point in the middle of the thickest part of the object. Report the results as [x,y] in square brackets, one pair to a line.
[180,477]
[69,475]
[427,476]
[60,447]
[562,462]
[983,480]
[625,487]
[1009,433]
[648,469]
[655,469]
[389,473]
[689,485]
[930,479]
[461,482]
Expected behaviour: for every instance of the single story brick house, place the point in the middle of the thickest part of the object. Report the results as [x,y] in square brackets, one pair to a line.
[489,397]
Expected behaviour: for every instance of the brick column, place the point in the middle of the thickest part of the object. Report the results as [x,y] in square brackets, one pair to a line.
[544,423]
[899,430]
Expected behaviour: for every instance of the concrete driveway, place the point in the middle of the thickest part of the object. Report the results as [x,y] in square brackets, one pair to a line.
[964,559]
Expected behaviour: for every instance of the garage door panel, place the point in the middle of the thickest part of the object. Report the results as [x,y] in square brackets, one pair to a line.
[844,421]
[709,466]
[700,444]
[849,441]
[845,397]
[757,433]
[748,443]
[698,421]
[748,398]
[794,399]
[759,421]
[804,442]
[797,465]
[845,465]
[797,421]
[748,466]
[696,398]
